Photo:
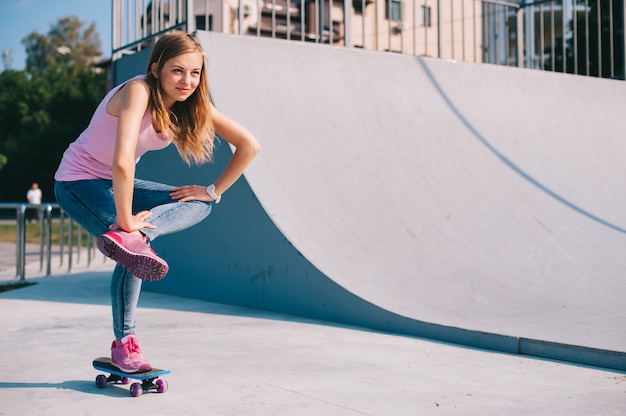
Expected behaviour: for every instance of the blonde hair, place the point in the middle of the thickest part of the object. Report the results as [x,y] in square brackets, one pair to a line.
[188,123]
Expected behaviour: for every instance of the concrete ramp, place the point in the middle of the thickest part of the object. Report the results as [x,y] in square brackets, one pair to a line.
[469,203]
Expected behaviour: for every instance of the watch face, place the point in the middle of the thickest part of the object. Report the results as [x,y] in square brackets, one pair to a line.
[211,191]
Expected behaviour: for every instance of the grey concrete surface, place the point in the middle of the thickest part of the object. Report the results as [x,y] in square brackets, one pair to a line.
[396,188]
[240,362]
[482,247]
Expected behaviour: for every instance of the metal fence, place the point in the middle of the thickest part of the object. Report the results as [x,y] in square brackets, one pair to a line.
[583,37]
[67,247]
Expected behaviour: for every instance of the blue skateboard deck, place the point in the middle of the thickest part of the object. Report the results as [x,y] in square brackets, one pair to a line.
[149,379]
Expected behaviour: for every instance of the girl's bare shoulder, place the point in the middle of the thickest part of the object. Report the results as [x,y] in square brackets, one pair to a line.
[132,93]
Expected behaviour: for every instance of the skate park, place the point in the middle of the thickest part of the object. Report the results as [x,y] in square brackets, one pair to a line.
[468,206]
[468,203]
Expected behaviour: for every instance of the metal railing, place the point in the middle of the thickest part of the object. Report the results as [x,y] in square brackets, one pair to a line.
[584,37]
[67,242]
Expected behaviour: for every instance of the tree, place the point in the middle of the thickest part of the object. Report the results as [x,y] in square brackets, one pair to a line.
[38,53]
[66,45]
[45,107]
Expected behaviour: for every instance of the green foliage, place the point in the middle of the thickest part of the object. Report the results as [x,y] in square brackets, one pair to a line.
[67,45]
[46,106]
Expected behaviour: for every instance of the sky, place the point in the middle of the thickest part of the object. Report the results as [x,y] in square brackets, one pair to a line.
[18,18]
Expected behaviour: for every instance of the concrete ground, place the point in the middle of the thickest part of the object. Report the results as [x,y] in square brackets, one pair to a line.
[237,362]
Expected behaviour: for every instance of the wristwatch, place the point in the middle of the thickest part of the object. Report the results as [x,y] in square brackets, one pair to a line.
[211,191]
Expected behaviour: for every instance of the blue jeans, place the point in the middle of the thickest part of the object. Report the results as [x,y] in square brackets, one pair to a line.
[90,203]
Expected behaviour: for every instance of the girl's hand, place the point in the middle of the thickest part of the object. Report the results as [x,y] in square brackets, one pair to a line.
[137,222]
[190,193]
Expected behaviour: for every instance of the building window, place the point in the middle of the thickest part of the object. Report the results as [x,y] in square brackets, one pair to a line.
[201,22]
[393,10]
[358,6]
[425,16]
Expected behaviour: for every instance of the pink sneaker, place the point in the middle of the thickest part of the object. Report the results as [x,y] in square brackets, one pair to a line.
[127,356]
[133,253]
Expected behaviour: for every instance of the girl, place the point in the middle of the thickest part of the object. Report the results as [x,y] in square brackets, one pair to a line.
[95,183]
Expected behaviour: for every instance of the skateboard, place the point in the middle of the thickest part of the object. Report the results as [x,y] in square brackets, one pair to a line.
[149,379]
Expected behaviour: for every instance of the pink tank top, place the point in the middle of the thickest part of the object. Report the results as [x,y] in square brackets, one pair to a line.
[91,155]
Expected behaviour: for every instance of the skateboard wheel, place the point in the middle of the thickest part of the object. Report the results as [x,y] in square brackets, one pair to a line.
[136,390]
[124,380]
[101,381]
[161,386]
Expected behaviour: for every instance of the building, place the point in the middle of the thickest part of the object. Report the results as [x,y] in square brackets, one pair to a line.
[576,36]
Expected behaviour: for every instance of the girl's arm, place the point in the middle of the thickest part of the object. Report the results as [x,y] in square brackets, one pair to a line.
[246,147]
[129,104]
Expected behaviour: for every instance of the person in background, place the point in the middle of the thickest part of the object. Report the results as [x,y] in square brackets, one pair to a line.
[33,196]
[95,183]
